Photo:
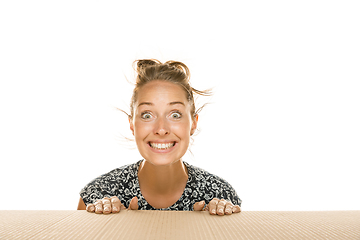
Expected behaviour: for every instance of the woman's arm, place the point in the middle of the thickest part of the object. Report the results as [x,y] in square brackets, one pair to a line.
[81,205]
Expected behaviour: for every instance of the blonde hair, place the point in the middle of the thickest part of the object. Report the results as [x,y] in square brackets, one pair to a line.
[171,71]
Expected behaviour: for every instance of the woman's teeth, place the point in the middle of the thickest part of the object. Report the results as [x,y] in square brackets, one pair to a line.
[161,145]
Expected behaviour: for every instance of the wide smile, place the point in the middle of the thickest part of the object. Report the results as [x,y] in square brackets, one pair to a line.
[162,147]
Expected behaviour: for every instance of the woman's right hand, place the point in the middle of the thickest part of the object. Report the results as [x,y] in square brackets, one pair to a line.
[111,205]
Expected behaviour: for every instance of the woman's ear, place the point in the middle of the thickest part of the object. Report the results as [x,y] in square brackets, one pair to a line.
[194,124]
[131,126]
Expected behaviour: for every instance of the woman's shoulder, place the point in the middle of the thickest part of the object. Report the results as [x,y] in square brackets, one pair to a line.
[128,170]
[199,174]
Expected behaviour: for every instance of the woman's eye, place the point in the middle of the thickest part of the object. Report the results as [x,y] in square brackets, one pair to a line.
[176,115]
[145,115]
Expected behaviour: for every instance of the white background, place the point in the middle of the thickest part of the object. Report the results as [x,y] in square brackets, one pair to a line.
[283,127]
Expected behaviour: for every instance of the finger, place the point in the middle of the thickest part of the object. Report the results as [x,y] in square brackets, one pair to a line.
[106,205]
[98,206]
[199,206]
[212,206]
[115,204]
[236,209]
[134,204]
[90,208]
[229,208]
[206,208]
[221,207]
[122,207]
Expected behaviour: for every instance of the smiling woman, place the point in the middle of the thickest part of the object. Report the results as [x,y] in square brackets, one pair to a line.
[162,119]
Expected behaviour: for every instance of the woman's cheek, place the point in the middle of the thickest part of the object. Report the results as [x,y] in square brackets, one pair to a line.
[182,129]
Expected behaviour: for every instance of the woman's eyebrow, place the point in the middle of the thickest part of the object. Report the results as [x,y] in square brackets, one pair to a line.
[174,103]
[145,103]
[171,103]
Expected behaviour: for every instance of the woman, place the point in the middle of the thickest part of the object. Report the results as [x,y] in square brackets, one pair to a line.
[162,119]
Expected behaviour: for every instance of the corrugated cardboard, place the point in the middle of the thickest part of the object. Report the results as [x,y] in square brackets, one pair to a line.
[179,225]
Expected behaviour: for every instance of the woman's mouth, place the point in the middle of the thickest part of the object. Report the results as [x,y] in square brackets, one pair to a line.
[161,146]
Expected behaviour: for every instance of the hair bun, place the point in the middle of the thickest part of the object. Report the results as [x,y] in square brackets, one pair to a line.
[181,66]
[144,63]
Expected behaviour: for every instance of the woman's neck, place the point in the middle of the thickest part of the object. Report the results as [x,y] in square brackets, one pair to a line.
[162,180]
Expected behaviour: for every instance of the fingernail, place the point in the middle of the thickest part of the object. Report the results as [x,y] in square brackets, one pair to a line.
[213,211]
[221,210]
[106,209]
[115,209]
[91,209]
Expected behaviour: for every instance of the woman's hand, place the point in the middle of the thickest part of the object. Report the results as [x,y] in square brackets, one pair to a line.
[217,206]
[111,205]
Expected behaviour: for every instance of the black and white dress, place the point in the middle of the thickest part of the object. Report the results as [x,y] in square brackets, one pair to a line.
[123,182]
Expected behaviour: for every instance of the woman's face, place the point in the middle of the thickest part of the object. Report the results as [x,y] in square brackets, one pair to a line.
[162,123]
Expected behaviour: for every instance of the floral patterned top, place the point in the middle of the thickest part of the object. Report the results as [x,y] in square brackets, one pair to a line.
[123,182]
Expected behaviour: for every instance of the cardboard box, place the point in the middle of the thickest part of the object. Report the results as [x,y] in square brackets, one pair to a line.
[179,225]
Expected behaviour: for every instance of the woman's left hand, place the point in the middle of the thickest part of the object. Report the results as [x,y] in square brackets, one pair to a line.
[217,206]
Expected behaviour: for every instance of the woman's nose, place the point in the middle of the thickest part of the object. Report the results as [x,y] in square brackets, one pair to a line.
[161,128]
